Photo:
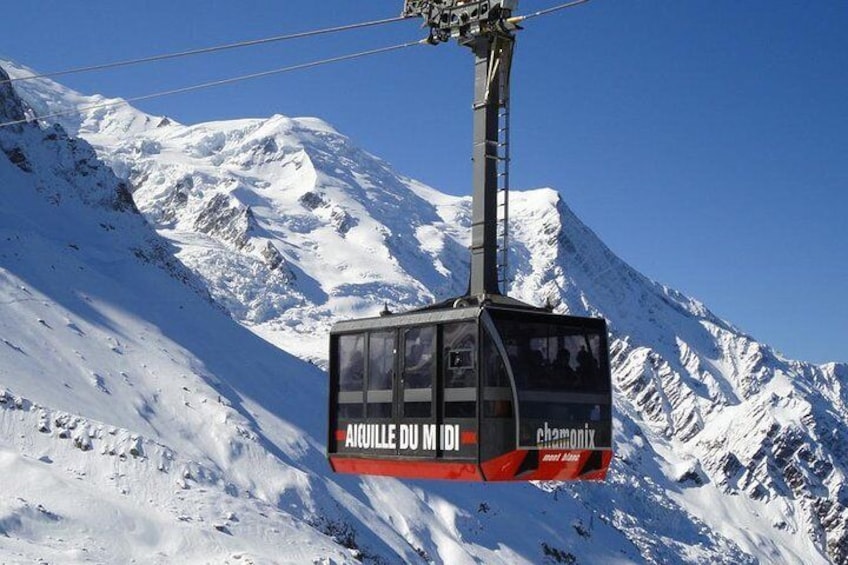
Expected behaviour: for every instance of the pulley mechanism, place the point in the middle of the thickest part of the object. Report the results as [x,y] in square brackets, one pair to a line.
[461,19]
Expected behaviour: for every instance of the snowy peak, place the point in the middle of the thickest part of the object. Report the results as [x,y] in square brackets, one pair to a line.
[733,412]
[46,97]
[274,201]
[59,164]
[725,451]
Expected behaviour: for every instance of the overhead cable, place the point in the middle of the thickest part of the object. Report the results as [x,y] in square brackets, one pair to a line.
[545,12]
[203,50]
[301,66]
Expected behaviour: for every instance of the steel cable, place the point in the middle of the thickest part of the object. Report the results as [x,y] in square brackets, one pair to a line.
[546,11]
[203,50]
[215,83]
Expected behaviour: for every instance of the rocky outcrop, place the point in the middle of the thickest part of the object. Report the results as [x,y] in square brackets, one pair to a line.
[226,221]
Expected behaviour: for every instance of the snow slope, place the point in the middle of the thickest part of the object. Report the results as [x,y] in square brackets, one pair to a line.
[260,208]
[139,422]
[725,451]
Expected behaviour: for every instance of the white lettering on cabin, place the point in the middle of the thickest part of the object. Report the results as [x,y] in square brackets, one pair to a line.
[429,443]
[565,438]
[408,437]
[561,457]
[371,436]
[405,437]
[392,439]
[450,438]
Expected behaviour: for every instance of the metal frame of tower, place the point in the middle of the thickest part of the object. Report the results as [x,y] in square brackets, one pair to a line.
[484,27]
[503,182]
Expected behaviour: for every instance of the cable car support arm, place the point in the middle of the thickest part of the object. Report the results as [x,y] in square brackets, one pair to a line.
[493,60]
[486,27]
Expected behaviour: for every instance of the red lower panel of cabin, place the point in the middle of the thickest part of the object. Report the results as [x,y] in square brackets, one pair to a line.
[521,465]
[407,468]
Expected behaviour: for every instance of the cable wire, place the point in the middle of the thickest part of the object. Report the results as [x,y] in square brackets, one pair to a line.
[203,50]
[545,12]
[215,83]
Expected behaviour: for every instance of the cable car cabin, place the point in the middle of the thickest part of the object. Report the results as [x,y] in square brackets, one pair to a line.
[498,391]
[482,393]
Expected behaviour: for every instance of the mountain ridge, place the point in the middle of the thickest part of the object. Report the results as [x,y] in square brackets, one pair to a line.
[686,474]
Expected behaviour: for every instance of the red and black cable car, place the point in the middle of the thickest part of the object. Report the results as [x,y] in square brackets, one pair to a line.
[496,392]
[482,387]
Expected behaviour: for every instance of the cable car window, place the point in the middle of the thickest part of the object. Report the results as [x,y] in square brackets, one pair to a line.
[351,375]
[554,358]
[381,372]
[561,385]
[460,374]
[497,392]
[418,368]
[460,346]
[351,362]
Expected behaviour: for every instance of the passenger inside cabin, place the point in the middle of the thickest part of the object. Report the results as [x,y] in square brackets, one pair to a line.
[562,366]
[586,365]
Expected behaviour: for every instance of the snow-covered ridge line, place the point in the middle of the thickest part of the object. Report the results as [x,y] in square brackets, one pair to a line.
[726,452]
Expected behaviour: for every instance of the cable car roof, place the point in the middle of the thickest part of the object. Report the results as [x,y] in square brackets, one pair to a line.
[414,318]
[446,313]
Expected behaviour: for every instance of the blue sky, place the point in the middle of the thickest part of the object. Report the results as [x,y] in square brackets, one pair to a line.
[705,142]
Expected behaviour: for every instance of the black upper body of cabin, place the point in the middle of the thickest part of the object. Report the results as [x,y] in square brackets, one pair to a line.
[468,383]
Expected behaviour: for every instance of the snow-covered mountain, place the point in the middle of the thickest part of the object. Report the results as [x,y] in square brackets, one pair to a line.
[129,388]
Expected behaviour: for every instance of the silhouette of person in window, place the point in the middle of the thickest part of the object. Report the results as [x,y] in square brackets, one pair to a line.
[585,365]
[565,374]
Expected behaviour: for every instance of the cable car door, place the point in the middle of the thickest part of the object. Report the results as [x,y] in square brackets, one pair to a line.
[458,391]
[417,430]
